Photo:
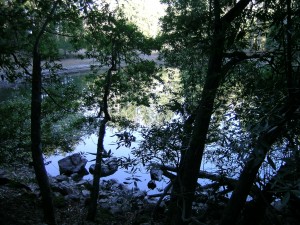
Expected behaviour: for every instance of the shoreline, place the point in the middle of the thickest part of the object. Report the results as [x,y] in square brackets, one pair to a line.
[70,66]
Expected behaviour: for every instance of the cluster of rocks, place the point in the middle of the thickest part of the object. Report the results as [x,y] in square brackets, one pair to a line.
[113,196]
[69,186]
[69,191]
[117,198]
[156,175]
[75,164]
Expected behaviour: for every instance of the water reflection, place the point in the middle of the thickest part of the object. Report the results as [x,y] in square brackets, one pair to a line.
[122,175]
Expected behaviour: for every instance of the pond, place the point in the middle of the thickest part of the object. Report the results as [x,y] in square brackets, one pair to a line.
[89,145]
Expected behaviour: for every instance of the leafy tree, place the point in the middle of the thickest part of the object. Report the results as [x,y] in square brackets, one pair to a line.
[15,128]
[222,54]
[187,175]
[26,33]
[14,37]
[271,129]
[116,44]
[63,124]
[224,50]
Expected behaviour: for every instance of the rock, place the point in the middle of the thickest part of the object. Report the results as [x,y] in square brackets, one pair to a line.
[73,197]
[85,193]
[61,178]
[115,210]
[156,174]
[108,167]
[63,188]
[139,195]
[82,183]
[150,201]
[102,201]
[76,177]
[72,164]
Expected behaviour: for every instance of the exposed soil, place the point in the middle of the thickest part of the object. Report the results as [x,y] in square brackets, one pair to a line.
[73,66]
[21,206]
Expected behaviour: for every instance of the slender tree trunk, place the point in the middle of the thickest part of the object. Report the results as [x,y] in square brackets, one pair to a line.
[248,175]
[100,149]
[37,155]
[92,211]
[255,212]
[36,143]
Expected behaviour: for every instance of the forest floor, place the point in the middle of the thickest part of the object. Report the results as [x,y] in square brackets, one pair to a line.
[21,206]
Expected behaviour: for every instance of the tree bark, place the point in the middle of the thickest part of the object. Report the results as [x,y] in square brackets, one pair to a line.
[255,211]
[265,140]
[37,155]
[185,184]
[100,148]
[248,175]
[36,143]
[92,211]
[186,181]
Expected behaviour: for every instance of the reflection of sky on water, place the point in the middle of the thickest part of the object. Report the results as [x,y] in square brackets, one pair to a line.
[90,145]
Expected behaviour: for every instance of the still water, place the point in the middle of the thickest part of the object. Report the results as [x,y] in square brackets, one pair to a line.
[89,144]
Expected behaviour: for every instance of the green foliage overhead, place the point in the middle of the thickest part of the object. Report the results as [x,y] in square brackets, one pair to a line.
[63,125]
[144,14]
[118,45]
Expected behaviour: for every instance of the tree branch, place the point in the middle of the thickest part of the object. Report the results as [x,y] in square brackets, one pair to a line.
[235,11]
[45,24]
[237,57]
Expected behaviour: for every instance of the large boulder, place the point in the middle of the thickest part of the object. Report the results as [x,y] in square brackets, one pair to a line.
[156,174]
[108,167]
[73,164]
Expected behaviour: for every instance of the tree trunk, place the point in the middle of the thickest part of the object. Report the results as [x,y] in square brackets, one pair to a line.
[100,148]
[37,155]
[36,143]
[254,212]
[265,140]
[248,175]
[97,173]
[186,181]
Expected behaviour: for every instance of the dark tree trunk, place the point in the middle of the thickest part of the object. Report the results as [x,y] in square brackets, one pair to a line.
[265,140]
[100,148]
[254,212]
[186,181]
[92,211]
[248,175]
[36,143]
[37,155]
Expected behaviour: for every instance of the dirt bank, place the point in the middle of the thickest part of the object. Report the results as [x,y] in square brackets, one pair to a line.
[71,66]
